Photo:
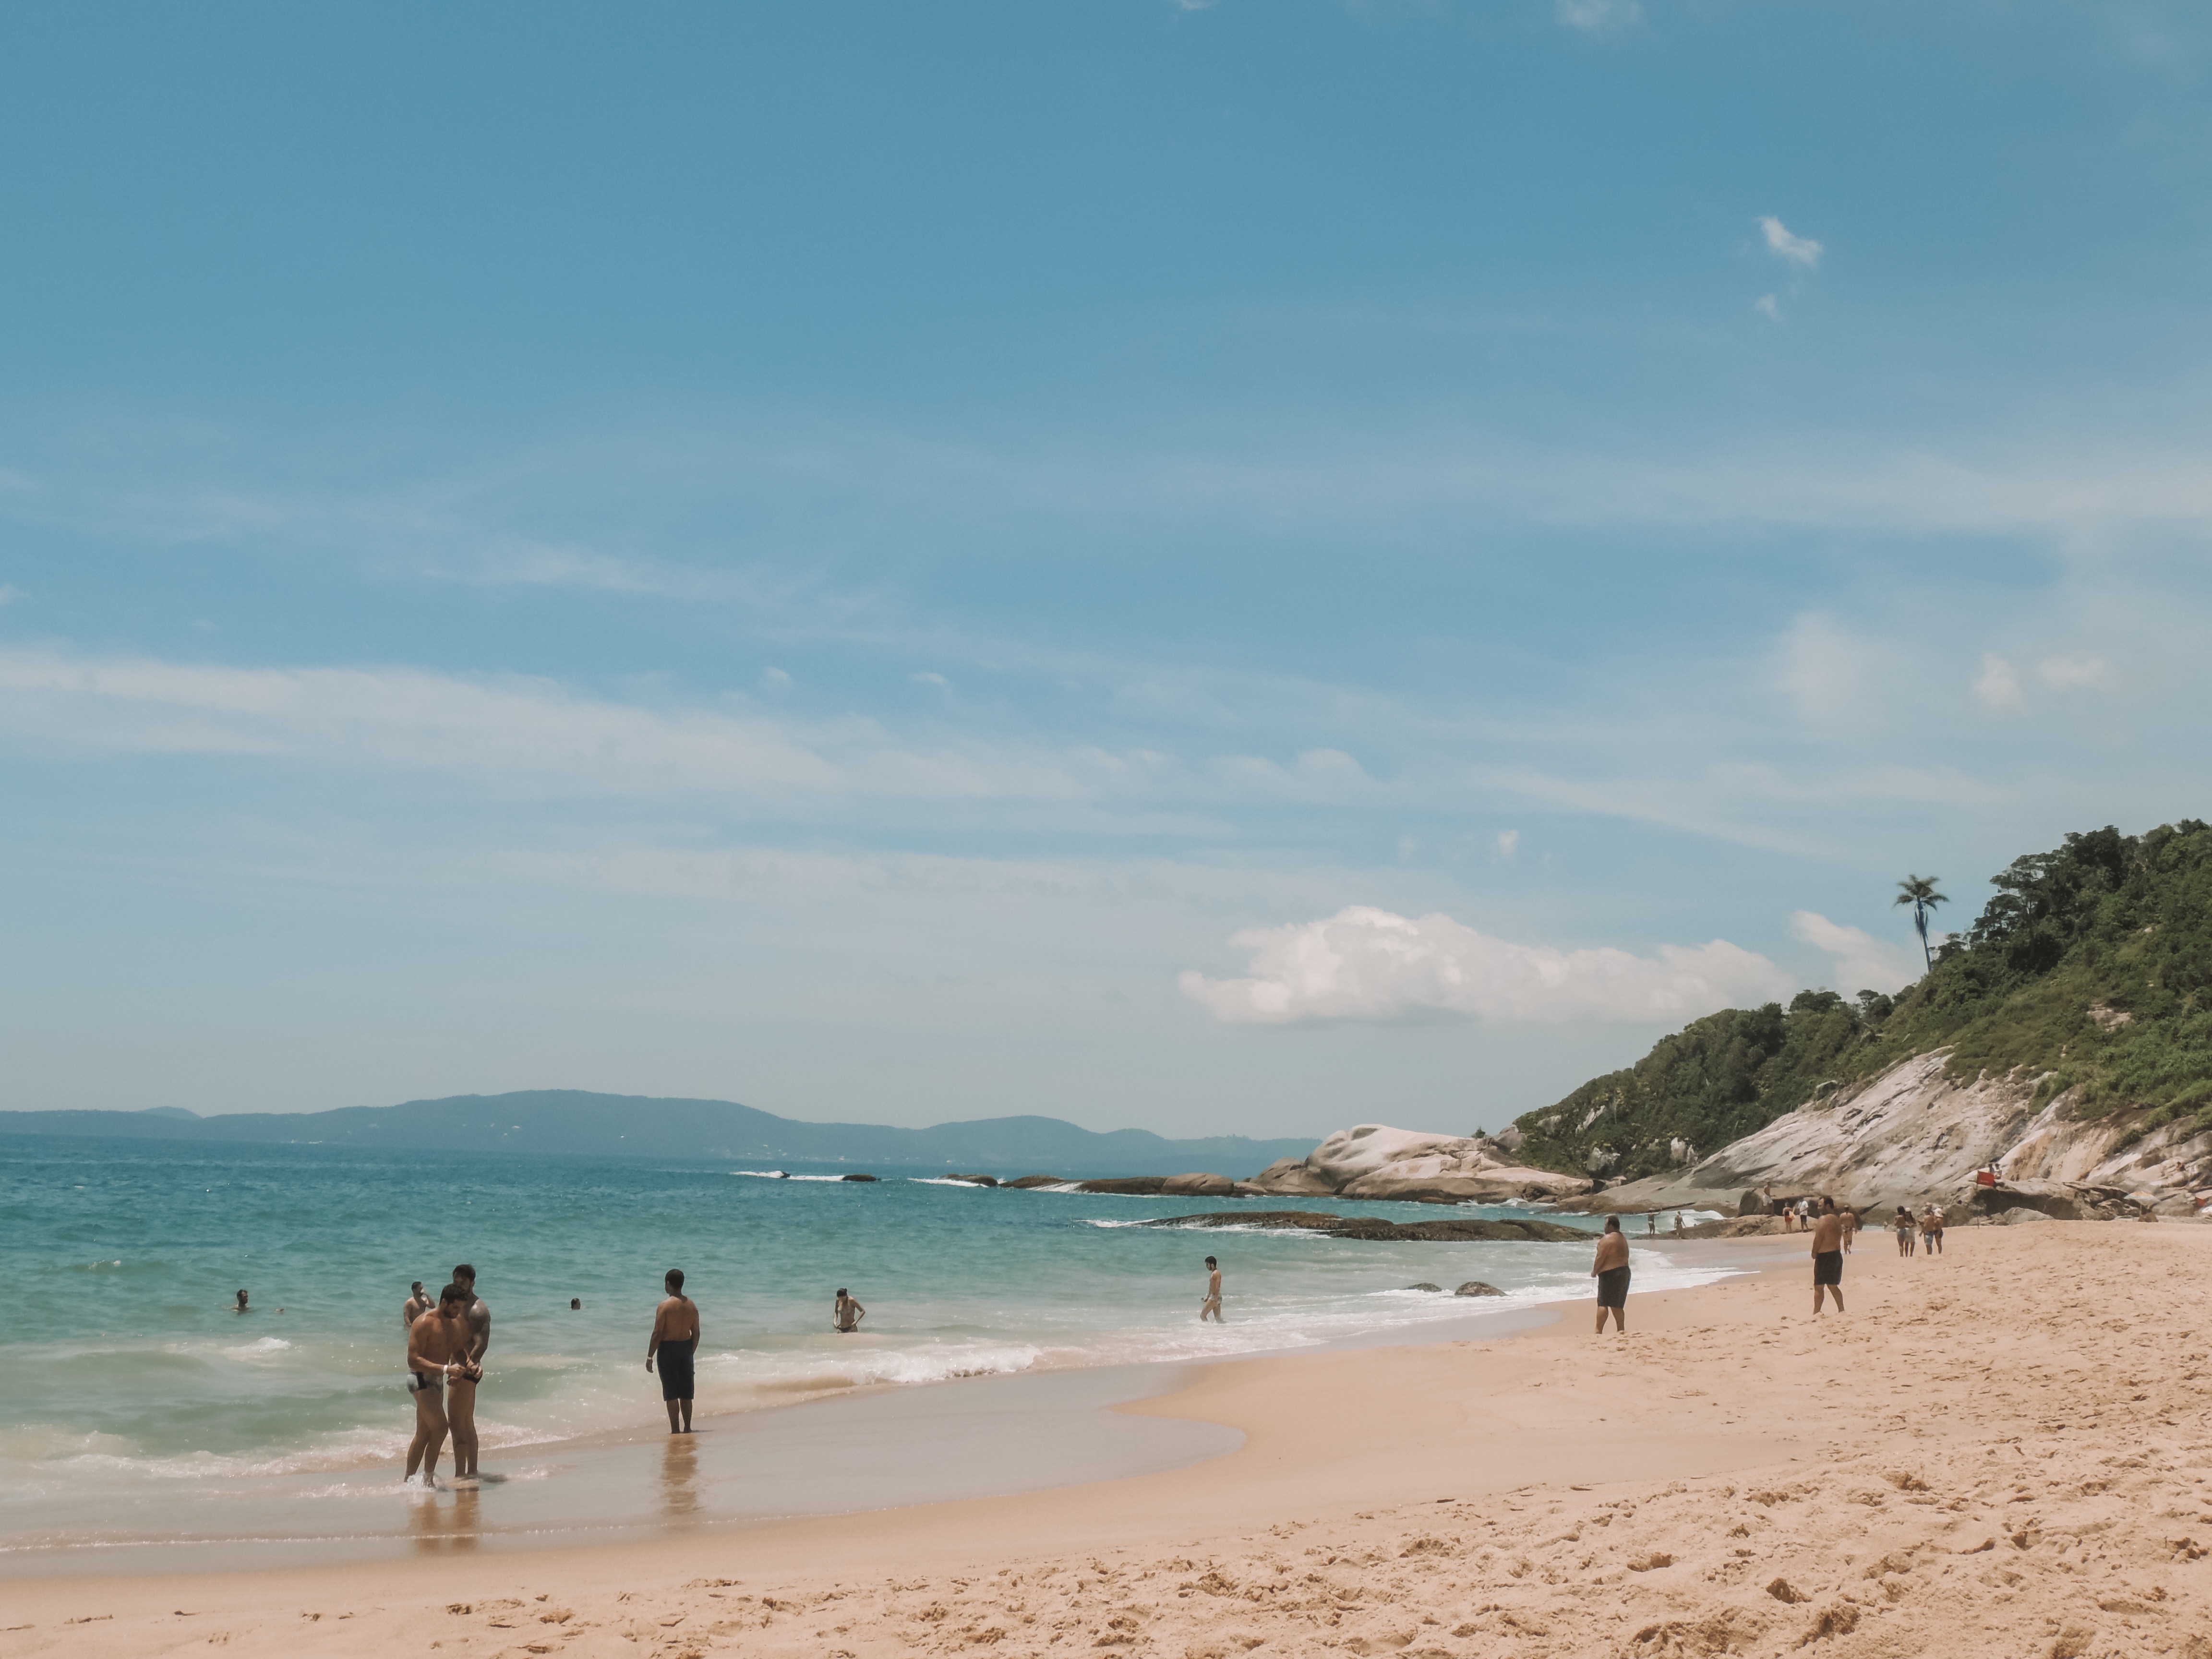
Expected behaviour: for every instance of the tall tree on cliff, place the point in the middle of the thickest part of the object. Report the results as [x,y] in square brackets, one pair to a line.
[1919,892]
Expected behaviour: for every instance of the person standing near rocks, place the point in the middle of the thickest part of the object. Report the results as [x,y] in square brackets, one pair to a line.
[1931,1229]
[1903,1223]
[1828,1256]
[1610,1269]
[1212,1302]
[1851,1220]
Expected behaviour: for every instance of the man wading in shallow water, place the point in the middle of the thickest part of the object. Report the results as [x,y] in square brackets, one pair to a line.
[475,1337]
[1828,1256]
[1611,1271]
[676,1339]
[435,1343]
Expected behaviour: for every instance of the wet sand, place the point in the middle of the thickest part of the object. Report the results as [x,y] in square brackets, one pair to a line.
[2005,1451]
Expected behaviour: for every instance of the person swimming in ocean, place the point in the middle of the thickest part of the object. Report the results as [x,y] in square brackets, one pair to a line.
[417,1304]
[242,1308]
[845,1314]
[1212,1302]
[435,1344]
[676,1342]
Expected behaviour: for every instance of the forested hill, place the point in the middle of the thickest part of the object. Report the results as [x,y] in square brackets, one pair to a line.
[571,1121]
[2091,970]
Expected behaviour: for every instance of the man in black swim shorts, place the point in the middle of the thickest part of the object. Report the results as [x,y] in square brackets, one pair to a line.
[674,1342]
[1611,1271]
[1828,1256]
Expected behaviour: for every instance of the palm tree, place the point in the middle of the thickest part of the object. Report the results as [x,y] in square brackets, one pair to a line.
[1919,892]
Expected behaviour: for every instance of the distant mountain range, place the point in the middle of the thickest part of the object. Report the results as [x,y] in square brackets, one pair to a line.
[571,1121]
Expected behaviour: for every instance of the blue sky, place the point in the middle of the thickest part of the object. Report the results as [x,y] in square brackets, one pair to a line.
[1235,569]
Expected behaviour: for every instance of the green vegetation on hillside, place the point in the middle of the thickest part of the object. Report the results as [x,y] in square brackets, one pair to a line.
[2091,970]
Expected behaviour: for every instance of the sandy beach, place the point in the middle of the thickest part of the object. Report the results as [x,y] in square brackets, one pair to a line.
[2004,1451]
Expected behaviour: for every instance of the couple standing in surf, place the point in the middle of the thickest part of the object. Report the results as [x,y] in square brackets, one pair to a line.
[446,1344]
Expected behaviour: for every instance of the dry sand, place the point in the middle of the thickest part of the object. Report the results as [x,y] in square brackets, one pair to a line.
[2002,1451]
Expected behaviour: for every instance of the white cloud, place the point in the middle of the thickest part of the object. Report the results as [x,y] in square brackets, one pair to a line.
[1598,16]
[1997,685]
[8,595]
[1768,306]
[1508,844]
[1863,962]
[928,678]
[775,680]
[508,731]
[2076,673]
[1364,963]
[1800,251]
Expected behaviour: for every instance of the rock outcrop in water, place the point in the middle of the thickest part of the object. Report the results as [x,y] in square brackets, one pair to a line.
[1373,1160]
[1374,1229]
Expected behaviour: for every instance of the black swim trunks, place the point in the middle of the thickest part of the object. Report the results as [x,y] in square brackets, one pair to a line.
[675,1362]
[1828,1269]
[1613,1288]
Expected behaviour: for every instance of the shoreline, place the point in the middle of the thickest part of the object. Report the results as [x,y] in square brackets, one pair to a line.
[1950,1467]
[877,1445]
[1085,1427]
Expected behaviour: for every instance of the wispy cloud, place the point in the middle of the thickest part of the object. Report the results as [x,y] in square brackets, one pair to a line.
[1862,962]
[1597,16]
[1802,252]
[10,595]
[1997,685]
[1364,963]
[1768,306]
[2076,673]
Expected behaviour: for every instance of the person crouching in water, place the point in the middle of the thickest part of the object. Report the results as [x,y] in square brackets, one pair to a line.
[675,1341]
[1610,1269]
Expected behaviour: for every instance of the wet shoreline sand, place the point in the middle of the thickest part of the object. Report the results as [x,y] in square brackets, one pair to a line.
[2004,1451]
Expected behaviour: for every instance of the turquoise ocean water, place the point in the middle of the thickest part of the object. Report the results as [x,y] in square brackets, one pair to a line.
[128,1385]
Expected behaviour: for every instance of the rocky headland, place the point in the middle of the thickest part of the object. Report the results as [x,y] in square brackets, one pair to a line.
[1375,1229]
[1916,1133]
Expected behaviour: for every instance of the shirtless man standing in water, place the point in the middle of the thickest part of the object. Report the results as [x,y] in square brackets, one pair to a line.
[1212,1302]
[435,1342]
[461,1408]
[417,1304]
[676,1339]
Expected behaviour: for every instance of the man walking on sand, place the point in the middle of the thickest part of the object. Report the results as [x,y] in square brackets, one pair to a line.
[1851,1218]
[675,1341]
[1903,1223]
[461,1397]
[435,1344]
[1610,1269]
[1828,1256]
[1212,1302]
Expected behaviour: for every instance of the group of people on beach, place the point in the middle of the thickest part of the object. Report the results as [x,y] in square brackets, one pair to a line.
[1930,1226]
[447,1340]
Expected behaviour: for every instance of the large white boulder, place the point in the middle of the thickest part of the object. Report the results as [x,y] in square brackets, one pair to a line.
[1373,1160]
